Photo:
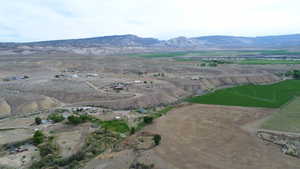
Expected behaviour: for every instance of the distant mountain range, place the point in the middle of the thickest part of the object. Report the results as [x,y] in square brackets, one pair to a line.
[183,43]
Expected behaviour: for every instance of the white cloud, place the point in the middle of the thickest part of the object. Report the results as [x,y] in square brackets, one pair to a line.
[33,20]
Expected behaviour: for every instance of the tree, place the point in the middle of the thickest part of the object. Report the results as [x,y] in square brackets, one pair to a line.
[74,120]
[157,139]
[38,137]
[56,117]
[148,119]
[78,119]
[38,121]
[296,74]
[132,131]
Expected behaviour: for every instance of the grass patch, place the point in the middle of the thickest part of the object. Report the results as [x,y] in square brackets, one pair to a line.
[286,119]
[115,125]
[271,96]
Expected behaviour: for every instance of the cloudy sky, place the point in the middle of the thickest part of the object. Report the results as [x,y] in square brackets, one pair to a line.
[35,20]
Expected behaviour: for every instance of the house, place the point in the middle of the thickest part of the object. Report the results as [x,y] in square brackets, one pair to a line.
[118,86]
[195,78]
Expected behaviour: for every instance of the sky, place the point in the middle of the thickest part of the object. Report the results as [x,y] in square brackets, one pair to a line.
[38,20]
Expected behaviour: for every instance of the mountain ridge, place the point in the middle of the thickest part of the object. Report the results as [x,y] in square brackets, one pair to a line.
[118,44]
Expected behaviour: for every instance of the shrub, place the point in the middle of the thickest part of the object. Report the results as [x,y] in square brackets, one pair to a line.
[157,139]
[296,74]
[48,148]
[148,119]
[38,121]
[38,137]
[56,117]
[78,119]
[132,131]
[74,120]
[212,64]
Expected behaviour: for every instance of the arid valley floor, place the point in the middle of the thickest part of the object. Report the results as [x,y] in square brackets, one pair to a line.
[117,92]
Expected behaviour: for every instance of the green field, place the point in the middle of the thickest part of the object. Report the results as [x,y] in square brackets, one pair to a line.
[161,55]
[115,125]
[266,61]
[272,96]
[231,53]
[287,119]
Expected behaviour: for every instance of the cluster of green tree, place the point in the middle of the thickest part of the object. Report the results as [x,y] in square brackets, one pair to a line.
[38,137]
[293,73]
[157,139]
[56,117]
[148,119]
[78,119]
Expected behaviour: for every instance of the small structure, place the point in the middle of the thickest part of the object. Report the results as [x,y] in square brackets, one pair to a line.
[45,122]
[142,110]
[195,78]
[137,81]
[117,118]
[16,78]
[119,86]
[74,76]
[59,76]
[92,75]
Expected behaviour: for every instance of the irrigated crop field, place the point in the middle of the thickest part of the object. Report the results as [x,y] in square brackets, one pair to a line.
[272,96]
[286,119]
[266,61]
[232,53]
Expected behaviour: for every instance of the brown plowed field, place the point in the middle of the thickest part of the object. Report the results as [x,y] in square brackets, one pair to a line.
[211,137]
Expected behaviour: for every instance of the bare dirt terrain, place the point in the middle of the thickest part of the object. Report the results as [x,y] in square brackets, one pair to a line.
[116,88]
[211,137]
[55,80]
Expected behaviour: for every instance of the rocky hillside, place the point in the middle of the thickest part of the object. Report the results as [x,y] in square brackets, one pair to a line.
[133,44]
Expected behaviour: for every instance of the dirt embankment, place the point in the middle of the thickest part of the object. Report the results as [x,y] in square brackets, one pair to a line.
[210,83]
[13,105]
[178,89]
[162,96]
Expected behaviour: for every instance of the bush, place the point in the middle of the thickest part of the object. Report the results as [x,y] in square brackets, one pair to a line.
[38,121]
[56,117]
[157,139]
[132,131]
[48,148]
[212,64]
[148,120]
[38,137]
[296,74]
[75,120]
